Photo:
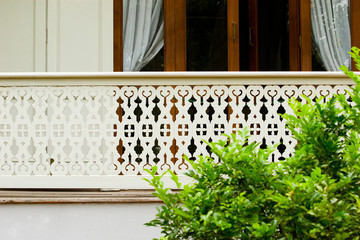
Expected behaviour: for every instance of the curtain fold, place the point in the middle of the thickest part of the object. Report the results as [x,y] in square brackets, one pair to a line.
[331,32]
[143,32]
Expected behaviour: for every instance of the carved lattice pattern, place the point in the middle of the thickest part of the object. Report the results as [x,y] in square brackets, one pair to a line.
[122,130]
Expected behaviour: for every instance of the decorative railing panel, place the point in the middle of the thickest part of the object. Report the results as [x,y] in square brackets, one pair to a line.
[162,124]
[120,130]
[58,131]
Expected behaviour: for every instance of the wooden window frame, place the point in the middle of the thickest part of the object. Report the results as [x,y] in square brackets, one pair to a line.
[300,42]
[300,52]
[294,35]
[175,35]
[305,32]
[299,35]
[300,56]
[117,35]
[305,35]
[233,35]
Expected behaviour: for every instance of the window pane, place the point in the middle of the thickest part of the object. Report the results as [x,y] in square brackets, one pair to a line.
[206,23]
[330,34]
[273,17]
[157,63]
[317,63]
[143,33]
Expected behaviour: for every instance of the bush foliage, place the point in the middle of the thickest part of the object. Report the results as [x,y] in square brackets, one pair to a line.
[312,195]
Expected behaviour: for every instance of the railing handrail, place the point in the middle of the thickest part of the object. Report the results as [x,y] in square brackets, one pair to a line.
[168,78]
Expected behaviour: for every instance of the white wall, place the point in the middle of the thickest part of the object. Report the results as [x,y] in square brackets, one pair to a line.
[56,35]
[22,35]
[80,35]
[77,221]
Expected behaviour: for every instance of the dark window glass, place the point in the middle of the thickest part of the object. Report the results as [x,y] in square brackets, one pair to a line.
[206,23]
[157,63]
[273,30]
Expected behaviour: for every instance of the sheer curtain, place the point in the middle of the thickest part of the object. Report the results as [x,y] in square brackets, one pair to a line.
[143,32]
[331,32]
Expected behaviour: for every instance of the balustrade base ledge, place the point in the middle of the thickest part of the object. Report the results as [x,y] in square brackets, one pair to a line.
[72,197]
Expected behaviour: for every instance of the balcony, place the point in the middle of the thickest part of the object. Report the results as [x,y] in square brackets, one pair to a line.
[101,130]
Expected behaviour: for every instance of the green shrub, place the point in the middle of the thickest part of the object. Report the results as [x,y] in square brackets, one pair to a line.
[313,195]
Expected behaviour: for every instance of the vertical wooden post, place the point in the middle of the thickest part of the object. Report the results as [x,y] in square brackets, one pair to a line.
[118,40]
[294,34]
[355,26]
[169,35]
[233,35]
[180,35]
[305,35]
[175,35]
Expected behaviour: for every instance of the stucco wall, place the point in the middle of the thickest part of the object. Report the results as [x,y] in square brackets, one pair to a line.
[77,221]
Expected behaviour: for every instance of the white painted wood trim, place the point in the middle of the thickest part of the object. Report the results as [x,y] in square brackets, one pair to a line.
[85,43]
[172,78]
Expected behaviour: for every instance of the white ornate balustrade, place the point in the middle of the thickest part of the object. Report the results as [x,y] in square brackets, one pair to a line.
[102,131]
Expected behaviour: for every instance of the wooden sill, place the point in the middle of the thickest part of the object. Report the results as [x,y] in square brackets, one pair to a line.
[74,196]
